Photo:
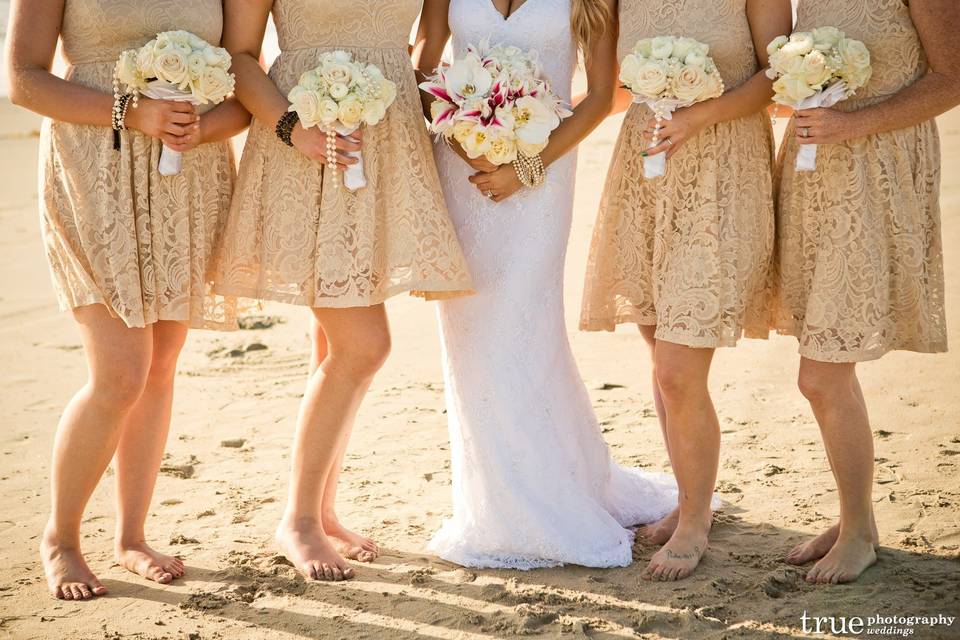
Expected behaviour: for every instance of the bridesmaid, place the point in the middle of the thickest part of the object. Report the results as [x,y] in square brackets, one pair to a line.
[293,237]
[859,261]
[127,250]
[686,256]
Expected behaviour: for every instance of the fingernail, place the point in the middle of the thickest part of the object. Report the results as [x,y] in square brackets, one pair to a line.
[643,154]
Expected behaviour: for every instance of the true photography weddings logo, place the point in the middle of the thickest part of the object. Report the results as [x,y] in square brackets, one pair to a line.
[876,625]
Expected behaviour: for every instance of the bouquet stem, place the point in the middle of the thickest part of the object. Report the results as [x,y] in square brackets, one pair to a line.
[354,177]
[171,162]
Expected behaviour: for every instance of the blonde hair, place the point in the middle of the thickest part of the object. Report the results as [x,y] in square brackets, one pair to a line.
[589,19]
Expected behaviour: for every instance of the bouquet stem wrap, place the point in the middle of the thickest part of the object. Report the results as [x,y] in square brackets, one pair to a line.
[171,162]
[656,166]
[807,155]
[354,177]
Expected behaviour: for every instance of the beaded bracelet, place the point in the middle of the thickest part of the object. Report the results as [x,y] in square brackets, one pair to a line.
[118,118]
[530,170]
[285,126]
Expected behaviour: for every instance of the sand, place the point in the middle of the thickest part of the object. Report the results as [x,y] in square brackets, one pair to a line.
[222,488]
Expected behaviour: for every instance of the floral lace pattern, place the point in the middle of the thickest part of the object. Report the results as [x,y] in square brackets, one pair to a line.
[524,442]
[292,236]
[116,232]
[689,252]
[859,262]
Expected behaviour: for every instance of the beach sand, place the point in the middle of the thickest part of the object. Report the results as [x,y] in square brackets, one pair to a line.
[222,487]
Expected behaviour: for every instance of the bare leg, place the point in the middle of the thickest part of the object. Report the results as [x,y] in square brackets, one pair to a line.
[118,359]
[658,532]
[139,455]
[694,434]
[837,401]
[358,341]
[349,544]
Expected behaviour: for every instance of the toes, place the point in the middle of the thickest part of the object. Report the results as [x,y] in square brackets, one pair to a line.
[366,556]
[65,594]
[313,572]
[337,574]
[85,591]
[327,571]
[347,572]
[97,588]
[75,592]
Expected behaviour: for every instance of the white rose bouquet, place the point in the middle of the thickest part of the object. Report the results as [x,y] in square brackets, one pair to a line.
[495,103]
[816,69]
[176,65]
[668,73]
[341,94]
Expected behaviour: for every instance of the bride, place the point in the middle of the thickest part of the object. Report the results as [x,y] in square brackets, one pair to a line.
[534,484]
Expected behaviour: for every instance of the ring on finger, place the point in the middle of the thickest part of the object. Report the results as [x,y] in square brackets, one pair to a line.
[669,141]
[489,194]
[804,132]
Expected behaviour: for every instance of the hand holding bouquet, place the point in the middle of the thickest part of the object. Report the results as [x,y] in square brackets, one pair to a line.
[495,103]
[816,69]
[668,73]
[176,65]
[340,95]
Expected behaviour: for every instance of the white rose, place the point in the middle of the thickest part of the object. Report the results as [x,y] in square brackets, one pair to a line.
[791,90]
[661,47]
[644,48]
[145,60]
[682,47]
[502,150]
[216,56]
[776,45]
[196,65]
[462,129]
[351,112]
[856,63]
[826,38]
[310,80]
[128,73]
[387,90]
[306,104]
[690,84]
[800,44]
[373,111]
[338,90]
[172,67]
[651,79]
[329,111]
[628,69]
[335,72]
[215,84]
[179,38]
[196,42]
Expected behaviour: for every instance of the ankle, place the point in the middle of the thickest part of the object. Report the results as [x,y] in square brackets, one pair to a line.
[297,523]
[695,523]
[54,537]
[124,542]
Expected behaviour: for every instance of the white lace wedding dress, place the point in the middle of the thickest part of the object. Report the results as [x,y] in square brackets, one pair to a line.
[534,484]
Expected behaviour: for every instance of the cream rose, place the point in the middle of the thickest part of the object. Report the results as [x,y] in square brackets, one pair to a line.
[800,44]
[651,79]
[690,84]
[644,48]
[826,38]
[336,72]
[856,68]
[329,111]
[128,71]
[815,70]
[792,90]
[477,143]
[350,113]
[682,47]
[215,84]
[196,65]
[628,69]
[502,150]
[776,45]
[373,111]
[338,90]
[172,67]
[306,104]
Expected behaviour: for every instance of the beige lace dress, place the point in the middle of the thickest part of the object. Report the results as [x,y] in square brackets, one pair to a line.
[116,232]
[292,236]
[860,268]
[688,252]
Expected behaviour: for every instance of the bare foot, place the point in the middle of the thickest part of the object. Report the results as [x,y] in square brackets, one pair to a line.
[311,552]
[152,565]
[351,545]
[845,561]
[818,547]
[680,556]
[661,530]
[68,576]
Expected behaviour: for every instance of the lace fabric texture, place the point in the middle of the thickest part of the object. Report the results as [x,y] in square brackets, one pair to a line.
[115,231]
[291,235]
[859,261]
[534,484]
[689,252]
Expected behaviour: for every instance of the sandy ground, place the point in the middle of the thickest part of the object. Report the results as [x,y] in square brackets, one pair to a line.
[217,505]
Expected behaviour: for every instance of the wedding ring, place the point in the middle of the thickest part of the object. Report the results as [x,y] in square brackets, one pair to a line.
[669,141]
[489,194]
[804,132]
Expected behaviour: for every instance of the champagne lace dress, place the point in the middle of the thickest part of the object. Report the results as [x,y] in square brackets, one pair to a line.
[116,232]
[688,252]
[291,235]
[860,269]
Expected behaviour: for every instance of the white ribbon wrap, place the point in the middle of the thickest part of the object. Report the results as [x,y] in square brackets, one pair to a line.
[823,99]
[663,108]
[353,176]
[170,161]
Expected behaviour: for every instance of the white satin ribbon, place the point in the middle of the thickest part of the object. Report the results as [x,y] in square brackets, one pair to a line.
[353,176]
[824,99]
[171,161]
[656,166]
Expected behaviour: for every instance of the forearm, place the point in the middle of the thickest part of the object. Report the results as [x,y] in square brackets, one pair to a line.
[927,98]
[42,92]
[589,113]
[224,121]
[256,91]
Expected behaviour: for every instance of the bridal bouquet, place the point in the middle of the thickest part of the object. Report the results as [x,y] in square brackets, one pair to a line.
[668,73]
[341,94]
[176,65]
[495,103]
[816,69]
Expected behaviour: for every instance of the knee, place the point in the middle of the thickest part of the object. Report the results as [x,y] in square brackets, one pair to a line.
[819,383]
[120,386]
[163,365]
[364,355]
[672,379]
